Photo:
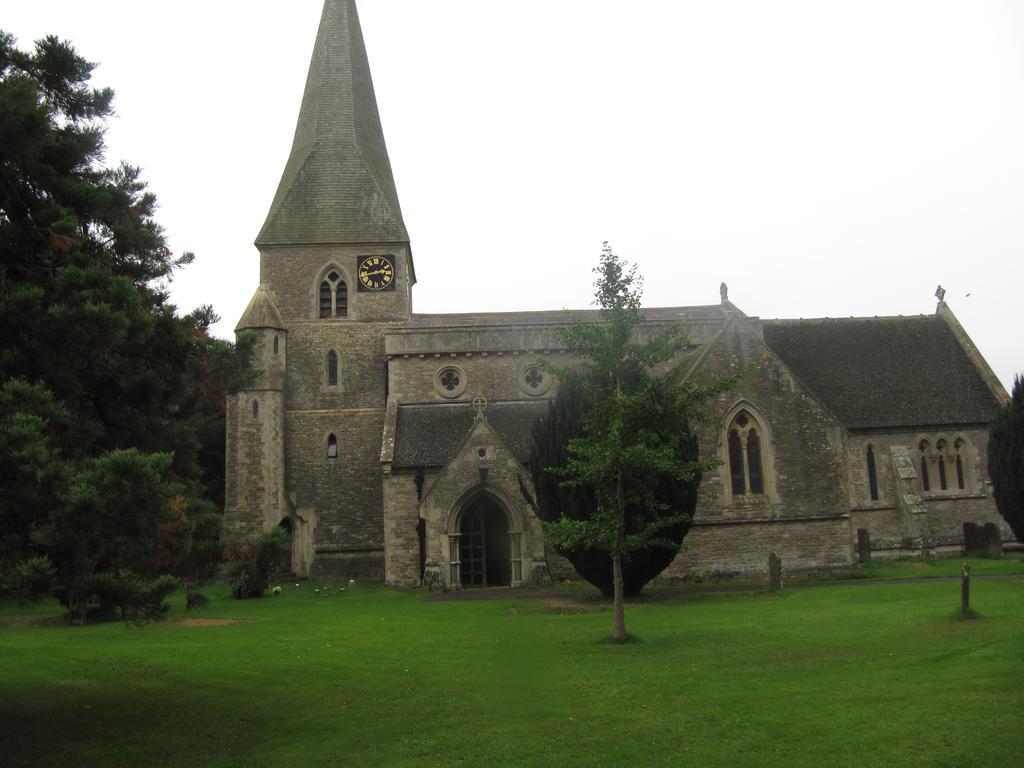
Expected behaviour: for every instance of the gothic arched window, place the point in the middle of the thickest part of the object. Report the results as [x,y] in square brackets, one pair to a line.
[277,344]
[925,480]
[255,409]
[332,368]
[333,296]
[959,448]
[746,455]
[940,449]
[326,299]
[872,475]
[332,447]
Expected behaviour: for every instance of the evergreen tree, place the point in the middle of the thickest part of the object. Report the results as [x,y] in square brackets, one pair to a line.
[615,462]
[94,359]
[1006,459]
[552,435]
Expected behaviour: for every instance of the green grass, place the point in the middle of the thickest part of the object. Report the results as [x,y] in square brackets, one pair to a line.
[917,569]
[859,675]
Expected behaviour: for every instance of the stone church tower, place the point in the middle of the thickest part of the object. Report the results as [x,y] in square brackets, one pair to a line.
[393,445]
[336,274]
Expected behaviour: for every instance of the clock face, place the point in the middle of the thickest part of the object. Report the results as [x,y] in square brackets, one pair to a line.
[376,273]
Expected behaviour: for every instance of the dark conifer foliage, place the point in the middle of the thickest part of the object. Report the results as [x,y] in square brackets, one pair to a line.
[93,357]
[1006,459]
[563,423]
[616,463]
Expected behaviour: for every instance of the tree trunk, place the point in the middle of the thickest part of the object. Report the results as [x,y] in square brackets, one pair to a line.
[619,632]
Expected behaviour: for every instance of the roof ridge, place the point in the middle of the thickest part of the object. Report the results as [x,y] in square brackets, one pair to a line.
[861,318]
[433,403]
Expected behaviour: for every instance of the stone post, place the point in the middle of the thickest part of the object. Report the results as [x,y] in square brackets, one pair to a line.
[965,589]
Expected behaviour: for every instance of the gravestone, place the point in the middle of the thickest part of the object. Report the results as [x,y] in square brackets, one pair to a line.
[982,540]
[863,545]
[774,572]
[993,546]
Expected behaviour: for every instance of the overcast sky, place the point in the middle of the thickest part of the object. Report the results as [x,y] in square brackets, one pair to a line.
[822,158]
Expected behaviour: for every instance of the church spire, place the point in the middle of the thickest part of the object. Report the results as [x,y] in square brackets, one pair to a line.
[337,187]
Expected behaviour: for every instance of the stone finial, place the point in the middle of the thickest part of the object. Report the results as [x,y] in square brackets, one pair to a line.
[723,290]
[940,294]
[480,406]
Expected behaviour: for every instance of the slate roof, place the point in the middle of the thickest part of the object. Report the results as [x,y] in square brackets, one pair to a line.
[261,312]
[429,434]
[337,186]
[884,372]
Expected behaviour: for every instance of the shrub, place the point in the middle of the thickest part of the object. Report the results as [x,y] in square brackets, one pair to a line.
[30,580]
[139,601]
[253,563]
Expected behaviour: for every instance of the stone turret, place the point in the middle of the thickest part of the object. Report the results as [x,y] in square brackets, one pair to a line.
[254,498]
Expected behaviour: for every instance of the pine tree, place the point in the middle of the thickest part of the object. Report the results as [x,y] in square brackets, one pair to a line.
[94,358]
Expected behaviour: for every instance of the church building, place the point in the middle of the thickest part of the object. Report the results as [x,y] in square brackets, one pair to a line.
[393,445]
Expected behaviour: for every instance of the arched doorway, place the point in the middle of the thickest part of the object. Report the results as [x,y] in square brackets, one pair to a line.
[484,545]
[286,565]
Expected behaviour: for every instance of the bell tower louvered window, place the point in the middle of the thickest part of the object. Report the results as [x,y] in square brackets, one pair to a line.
[333,296]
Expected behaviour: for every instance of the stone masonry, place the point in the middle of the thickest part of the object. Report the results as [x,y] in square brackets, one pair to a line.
[393,445]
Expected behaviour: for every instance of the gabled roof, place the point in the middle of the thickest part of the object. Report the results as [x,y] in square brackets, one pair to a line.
[337,186]
[429,434]
[884,372]
[261,312]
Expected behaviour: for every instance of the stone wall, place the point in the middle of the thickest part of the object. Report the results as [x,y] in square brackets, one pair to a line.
[891,521]
[345,492]
[292,274]
[401,535]
[254,448]
[742,548]
[362,371]
[803,510]
[343,495]
[496,376]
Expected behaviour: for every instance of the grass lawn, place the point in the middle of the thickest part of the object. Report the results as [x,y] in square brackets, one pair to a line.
[857,675]
[912,569]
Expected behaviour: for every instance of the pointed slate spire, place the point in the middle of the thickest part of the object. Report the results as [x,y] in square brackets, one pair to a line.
[337,187]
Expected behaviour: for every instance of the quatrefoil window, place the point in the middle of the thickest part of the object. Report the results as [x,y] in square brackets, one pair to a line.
[534,380]
[450,381]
